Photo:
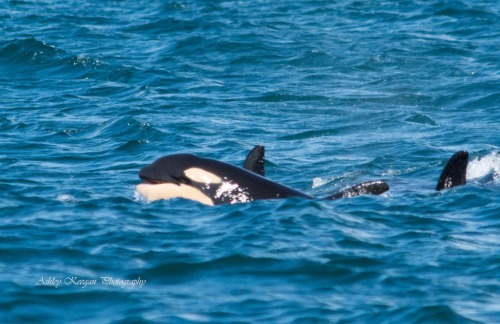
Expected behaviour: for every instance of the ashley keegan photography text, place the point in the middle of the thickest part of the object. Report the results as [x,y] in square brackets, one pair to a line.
[84,283]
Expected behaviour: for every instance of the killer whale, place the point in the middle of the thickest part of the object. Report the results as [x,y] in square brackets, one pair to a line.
[213,182]
[208,181]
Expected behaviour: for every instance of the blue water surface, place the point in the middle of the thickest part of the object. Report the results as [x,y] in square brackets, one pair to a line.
[339,92]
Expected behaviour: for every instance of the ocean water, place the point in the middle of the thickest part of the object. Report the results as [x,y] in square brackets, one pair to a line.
[339,92]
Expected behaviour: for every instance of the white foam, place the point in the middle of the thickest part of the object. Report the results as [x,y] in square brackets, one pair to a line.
[139,197]
[67,198]
[481,167]
[233,192]
[318,182]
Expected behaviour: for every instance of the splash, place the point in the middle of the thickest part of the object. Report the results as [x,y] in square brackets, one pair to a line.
[487,165]
[233,192]
[140,197]
[318,182]
[67,198]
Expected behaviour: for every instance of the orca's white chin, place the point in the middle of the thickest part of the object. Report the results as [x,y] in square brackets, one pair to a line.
[157,191]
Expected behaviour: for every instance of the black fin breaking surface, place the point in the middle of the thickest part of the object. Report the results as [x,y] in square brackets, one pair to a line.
[454,173]
[255,160]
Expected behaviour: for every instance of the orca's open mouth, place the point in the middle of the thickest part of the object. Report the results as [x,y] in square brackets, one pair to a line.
[150,180]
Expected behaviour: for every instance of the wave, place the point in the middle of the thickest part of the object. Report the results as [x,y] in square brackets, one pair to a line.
[284,96]
[260,266]
[436,313]
[485,167]
[34,58]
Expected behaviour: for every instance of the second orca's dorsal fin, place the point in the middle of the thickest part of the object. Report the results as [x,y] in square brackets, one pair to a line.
[255,160]
[366,188]
[454,173]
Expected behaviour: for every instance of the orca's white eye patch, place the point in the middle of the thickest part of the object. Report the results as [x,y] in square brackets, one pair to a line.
[202,176]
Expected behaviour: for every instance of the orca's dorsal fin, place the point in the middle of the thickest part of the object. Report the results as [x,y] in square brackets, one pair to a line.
[366,188]
[454,172]
[255,160]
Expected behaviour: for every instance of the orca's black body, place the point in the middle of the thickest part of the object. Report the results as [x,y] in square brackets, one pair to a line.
[214,182]
[366,188]
[242,185]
